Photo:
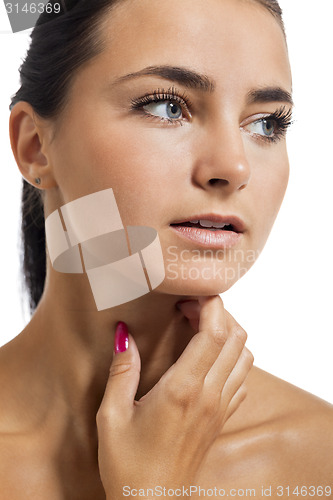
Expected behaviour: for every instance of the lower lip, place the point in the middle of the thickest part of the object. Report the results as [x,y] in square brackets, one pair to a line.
[209,238]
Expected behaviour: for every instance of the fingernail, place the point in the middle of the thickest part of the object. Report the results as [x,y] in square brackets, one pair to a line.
[121,337]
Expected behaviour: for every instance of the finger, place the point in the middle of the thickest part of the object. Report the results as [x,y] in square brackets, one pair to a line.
[237,376]
[123,378]
[191,310]
[230,320]
[227,359]
[235,402]
[203,349]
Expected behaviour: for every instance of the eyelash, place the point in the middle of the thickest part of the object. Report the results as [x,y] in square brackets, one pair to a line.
[161,95]
[283,120]
[282,116]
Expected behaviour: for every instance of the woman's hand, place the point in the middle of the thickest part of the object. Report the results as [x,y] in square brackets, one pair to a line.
[163,438]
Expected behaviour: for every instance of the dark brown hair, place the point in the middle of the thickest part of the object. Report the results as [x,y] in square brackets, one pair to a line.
[60,43]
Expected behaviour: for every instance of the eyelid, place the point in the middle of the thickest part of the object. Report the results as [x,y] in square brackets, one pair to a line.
[161,95]
[173,98]
[255,118]
[282,118]
[283,113]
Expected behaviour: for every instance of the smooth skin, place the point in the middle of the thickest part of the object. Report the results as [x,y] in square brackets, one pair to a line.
[212,370]
[66,425]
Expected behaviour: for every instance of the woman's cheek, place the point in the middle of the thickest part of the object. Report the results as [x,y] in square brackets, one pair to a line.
[269,186]
[277,185]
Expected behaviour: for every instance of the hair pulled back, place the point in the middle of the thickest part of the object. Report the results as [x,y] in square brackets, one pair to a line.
[60,43]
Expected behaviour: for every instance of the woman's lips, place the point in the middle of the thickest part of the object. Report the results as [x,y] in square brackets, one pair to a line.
[218,238]
[226,233]
[214,219]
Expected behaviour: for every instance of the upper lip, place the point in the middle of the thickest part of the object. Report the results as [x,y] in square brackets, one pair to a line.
[237,223]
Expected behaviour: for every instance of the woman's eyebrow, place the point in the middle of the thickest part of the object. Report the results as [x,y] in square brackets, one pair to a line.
[183,76]
[198,81]
[269,94]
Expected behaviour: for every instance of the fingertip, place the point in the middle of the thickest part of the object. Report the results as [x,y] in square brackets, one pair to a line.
[121,337]
[190,309]
[203,300]
[133,349]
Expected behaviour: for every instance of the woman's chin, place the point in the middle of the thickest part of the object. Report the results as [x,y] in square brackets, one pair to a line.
[201,280]
[194,287]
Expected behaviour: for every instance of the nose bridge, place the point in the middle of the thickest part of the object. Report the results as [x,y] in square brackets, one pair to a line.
[220,156]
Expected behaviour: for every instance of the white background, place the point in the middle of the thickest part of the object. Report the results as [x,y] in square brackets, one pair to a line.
[285,300]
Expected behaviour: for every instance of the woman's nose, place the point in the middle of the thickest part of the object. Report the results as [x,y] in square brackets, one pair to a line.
[220,160]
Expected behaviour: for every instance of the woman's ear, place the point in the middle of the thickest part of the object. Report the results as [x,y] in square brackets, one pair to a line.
[29,136]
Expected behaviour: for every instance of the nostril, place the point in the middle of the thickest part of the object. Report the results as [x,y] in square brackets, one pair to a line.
[212,182]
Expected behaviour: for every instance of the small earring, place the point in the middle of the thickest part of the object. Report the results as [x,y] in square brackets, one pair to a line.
[38,180]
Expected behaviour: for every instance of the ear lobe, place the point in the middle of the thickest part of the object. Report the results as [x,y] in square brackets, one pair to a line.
[26,137]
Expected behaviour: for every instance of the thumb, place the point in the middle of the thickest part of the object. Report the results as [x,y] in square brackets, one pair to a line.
[124,375]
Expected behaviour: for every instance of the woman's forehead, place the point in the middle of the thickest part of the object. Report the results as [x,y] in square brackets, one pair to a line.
[234,39]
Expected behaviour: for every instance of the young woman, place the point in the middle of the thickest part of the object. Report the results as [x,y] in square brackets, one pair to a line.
[168,105]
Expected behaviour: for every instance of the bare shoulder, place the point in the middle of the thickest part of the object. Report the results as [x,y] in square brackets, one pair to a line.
[281,435]
[285,402]
[17,452]
[301,425]
[299,428]
[305,423]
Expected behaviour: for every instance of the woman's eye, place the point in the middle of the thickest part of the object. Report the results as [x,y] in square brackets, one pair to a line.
[165,109]
[264,126]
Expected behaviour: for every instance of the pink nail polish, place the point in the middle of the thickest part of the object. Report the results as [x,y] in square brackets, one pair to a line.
[121,337]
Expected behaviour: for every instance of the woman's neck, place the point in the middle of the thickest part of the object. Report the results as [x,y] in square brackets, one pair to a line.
[68,347]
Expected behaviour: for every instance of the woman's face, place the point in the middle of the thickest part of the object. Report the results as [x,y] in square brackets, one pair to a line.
[203,148]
